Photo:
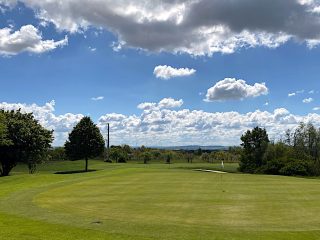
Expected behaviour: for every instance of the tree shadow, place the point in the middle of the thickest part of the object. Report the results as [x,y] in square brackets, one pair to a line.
[75,172]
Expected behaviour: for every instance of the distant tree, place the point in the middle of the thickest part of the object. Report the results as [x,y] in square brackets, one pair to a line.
[84,142]
[142,148]
[127,148]
[146,156]
[205,157]
[22,139]
[57,154]
[255,144]
[168,158]
[189,157]
[118,154]
[199,151]
[305,141]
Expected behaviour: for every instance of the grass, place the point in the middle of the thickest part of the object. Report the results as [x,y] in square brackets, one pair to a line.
[156,201]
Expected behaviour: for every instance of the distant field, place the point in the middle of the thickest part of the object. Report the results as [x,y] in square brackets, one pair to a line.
[156,201]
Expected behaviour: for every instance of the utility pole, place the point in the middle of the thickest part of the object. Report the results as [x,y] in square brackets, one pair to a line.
[108,143]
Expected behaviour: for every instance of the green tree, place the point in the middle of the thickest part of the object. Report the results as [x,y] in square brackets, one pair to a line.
[118,154]
[189,157]
[23,139]
[4,140]
[205,157]
[57,154]
[168,158]
[255,144]
[146,156]
[84,142]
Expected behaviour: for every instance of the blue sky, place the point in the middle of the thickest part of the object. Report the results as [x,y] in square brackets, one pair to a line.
[81,63]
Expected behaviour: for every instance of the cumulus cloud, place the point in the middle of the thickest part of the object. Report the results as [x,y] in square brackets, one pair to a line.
[164,103]
[183,127]
[233,89]
[170,103]
[196,27]
[291,94]
[307,100]
[167,72]
[97,98]
[316,109]
[147,106]
[26,39]
[161,126]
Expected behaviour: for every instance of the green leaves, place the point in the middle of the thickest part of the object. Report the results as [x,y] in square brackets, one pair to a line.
[85,141]
[25,140]
[4,140]
[255,144]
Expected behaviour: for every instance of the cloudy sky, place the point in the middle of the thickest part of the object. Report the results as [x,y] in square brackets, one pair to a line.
[162,72]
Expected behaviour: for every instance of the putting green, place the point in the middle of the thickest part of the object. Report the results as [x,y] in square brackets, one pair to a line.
[158,202]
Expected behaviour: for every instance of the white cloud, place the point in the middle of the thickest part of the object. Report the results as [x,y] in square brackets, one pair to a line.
[316,109]
[266,104]
[170,103]
[196,27]
[97,98]
[167,72]
[92,49]
[297,93]
[170,127]
[147,106]
[26,39]
[233,89]
[165,103]
[307,100]
[183,127]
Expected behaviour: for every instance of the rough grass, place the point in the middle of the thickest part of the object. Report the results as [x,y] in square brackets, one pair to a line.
[156,201]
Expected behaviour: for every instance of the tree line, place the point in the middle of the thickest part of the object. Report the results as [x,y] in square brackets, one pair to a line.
[24,140]
[297,154]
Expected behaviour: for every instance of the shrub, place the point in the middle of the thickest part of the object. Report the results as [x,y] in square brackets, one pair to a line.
[273,166]
[295,167]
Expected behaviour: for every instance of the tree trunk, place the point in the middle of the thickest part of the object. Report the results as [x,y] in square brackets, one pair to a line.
[86,165]
[5,169]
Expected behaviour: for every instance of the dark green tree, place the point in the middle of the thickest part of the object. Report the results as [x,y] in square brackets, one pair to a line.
[168,158]
[4,140]
[23,139]
[85,141]
[146,156]
[255,144]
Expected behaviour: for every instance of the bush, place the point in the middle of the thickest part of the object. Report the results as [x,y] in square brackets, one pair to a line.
[295,167]
[273,166]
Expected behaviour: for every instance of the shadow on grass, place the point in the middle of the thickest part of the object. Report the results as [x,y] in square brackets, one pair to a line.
[75,172]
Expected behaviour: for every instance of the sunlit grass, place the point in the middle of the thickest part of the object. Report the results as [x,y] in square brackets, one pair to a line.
[156,201]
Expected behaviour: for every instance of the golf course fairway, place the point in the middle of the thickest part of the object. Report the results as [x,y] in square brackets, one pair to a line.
[156,201]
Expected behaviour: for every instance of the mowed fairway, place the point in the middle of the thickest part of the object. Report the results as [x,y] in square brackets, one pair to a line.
[157,201]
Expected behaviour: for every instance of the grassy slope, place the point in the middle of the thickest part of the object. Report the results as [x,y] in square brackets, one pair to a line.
[157,201]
